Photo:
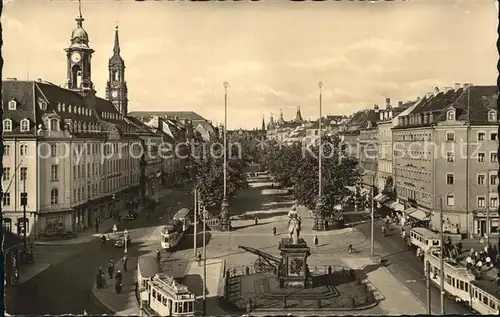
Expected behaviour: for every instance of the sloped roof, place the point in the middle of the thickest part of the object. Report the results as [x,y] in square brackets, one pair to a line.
[189,115]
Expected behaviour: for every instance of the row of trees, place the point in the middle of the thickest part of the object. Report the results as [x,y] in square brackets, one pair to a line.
[207,170]
[297,166]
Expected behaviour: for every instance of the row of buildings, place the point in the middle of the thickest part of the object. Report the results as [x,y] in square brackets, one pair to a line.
[438,152]
[71,158]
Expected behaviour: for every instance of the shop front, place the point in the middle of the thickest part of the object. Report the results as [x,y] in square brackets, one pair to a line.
[480,225]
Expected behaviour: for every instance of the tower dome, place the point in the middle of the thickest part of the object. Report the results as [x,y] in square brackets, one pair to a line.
[79,36]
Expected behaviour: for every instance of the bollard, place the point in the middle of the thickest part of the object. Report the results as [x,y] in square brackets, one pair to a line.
[247,270]
[318,303]
[353,302]
[284,301]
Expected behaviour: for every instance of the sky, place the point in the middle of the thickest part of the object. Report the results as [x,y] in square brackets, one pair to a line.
[272,53]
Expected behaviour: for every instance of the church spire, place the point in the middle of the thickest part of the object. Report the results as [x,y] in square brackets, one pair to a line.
[116,48]
[79,19]
[298,116]
[263,124]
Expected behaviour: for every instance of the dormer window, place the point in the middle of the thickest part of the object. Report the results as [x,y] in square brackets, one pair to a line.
[42,104]
[492,116]
[58,107]
[54,125]
[451,115]
[69,108]
[12,105]
[25,125]
[7,125]
[90,112]
[63,108]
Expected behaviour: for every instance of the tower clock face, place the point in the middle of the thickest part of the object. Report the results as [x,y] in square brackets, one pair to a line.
[76,57]
[114,94]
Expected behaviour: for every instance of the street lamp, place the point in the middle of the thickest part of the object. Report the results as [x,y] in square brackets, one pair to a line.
[319,222]
[125,236]
[225,204]
[24,202]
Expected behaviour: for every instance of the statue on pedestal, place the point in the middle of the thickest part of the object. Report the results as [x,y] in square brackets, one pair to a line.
[294,222]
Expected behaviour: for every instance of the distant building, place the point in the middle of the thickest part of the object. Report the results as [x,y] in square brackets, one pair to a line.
[280,130]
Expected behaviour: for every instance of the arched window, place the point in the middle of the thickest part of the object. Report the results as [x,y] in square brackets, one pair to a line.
[25,125]
[7,125]
[451,115]
[492,116]
[54,196]
[54,125]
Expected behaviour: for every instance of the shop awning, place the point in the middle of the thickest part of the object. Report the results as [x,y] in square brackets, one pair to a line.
[394,205]
[409,211]
[419,214]
[351,188]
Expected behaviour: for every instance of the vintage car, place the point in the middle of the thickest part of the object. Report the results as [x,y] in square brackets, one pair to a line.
[120,241]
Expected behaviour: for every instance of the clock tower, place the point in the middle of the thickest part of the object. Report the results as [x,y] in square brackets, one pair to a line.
[79,56]
[116,88]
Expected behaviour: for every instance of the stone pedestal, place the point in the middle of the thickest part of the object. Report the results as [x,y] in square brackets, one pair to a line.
[319,220]
[225,223]
[294,271]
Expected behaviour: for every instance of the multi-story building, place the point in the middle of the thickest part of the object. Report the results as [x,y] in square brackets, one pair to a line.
[280,130]
[350,130]
[75,155]
[388,120]
[445,159]
[368,149]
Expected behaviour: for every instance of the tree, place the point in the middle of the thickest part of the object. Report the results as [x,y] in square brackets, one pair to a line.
[389,187]
[300,164]
[209,171]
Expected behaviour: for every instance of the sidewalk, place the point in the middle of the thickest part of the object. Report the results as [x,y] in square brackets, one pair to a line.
[395,298]
[124,304]
[105,226]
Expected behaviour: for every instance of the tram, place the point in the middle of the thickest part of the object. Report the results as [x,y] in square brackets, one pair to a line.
[172,233]
[169,298]
[482,296]
[424,239]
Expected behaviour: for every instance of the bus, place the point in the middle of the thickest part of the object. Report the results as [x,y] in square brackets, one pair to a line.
[172,233]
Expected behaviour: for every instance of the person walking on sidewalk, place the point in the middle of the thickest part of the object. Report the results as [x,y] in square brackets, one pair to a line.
[125,260]
[198,257]
[118,282]
[97,226]
[111,268]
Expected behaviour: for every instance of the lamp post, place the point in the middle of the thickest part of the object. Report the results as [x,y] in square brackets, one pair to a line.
[125,236]
[319,222]
[204,263]
[225,205]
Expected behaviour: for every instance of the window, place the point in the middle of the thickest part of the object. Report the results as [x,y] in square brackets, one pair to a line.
[6,199]
[54,172]
[43,104]
[481,157]
[480,179]
[451,115]
[481,136]
[6,150]
[6,173]
[54,125]
[450,200]
[23,173]
[7,125]
[493,136]
[7,224]
[450,157]
[450,179]
[53,150]
[493,157]
[493,202]
[23,150]
[450,136]
[493,179]
[492,116]
[12,105]
[25,125]
[480,202]
[54,196]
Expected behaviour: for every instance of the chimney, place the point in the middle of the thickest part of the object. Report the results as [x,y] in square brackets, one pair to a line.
[429,94]
[400,104]
[176,118]
[446,89]
[382,116]
[375,107]
[457,86]
[418,98]
[436,89]
[467,85]
[39,80]
[388,103]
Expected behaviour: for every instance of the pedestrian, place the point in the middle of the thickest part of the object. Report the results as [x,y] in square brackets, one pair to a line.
[315,240]
[125,260]
[256,221]
[115,229]
[119,276]
[198,256]
[111,268]
[103,280]
[274,230]
[118,287]
[96,226]
[98,281]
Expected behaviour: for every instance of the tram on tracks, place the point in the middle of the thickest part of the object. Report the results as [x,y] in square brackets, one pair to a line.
[172,233]
[481,294]
[169,298]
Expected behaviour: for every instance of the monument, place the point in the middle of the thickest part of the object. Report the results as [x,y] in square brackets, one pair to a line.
[293,271]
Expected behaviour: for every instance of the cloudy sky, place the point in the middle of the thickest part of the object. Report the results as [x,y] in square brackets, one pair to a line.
[272,53]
